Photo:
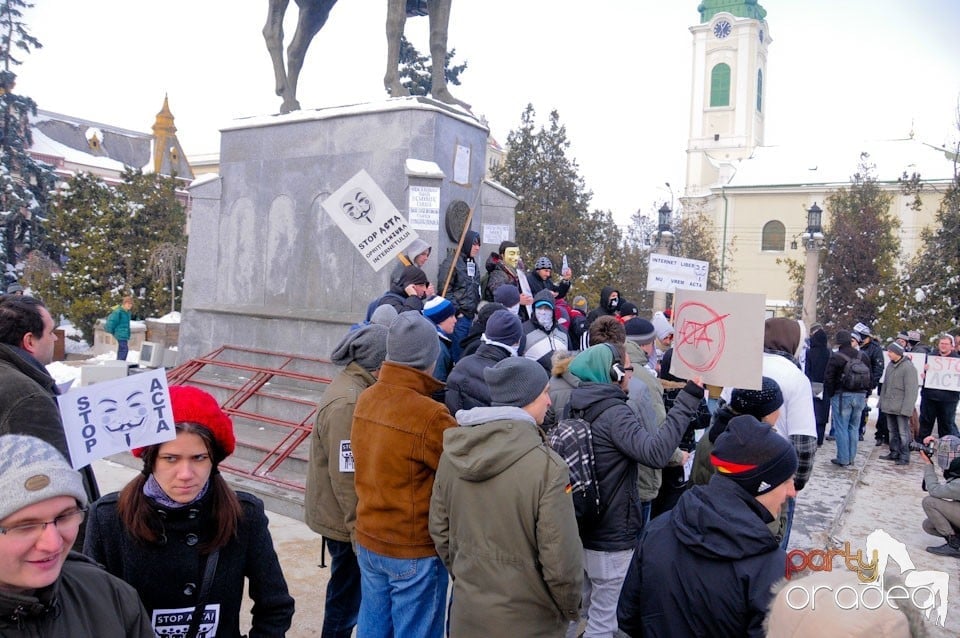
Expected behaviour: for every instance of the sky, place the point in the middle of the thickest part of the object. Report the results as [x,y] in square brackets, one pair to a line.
[616,71]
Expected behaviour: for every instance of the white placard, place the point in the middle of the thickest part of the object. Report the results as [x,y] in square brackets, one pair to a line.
[669,274]
[424,207]
[369,220]
[461,165]
[113,416]
[943,373]
[495,233]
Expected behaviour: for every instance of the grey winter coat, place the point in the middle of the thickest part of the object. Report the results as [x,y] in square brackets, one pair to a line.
[505,528]
[898,394]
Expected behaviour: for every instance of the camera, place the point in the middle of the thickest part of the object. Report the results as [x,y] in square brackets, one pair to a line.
[929,450]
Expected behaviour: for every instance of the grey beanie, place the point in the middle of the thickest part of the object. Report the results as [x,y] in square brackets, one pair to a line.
[515,381]
[640,330]
[895,347]
[32,470]
[384,315]
[412,341]
[366,345]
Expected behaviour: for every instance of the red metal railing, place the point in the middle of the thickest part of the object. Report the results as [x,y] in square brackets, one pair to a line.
[242,375]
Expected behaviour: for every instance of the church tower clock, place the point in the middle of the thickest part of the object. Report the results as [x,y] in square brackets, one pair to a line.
[727,100]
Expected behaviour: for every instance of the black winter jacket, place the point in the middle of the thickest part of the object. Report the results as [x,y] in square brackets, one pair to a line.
[84,601]
[835,365]
[168,575]
[818,354]
[874,352]
[464,289]
[703,569]
[466,388]
[619,443]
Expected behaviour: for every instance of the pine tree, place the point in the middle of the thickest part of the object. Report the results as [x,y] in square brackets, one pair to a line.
[860,259]
[25,184]
[553,217]
[107,235]
[931,281]
[416,69]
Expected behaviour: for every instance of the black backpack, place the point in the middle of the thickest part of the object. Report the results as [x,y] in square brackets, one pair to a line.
[572,439]
[856,374]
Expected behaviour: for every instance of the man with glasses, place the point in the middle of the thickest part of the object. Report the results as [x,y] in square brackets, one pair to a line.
[45,589]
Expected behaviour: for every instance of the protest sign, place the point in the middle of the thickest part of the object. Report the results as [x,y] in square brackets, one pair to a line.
[943,373]
[719,336]
[369,220]
[115,416]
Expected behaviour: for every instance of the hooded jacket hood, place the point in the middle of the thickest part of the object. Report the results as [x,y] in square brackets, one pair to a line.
[544,296]
[708,520]
[783,335]
[605,297]
[471,237]
[490,440]
[416,247]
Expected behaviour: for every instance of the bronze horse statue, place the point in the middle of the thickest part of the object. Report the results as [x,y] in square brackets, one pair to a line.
[313,15]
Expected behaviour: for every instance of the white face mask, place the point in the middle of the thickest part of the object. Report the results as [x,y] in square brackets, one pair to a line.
[544,317]
[514,309]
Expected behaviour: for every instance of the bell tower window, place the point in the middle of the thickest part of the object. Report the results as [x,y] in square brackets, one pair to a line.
[720,85]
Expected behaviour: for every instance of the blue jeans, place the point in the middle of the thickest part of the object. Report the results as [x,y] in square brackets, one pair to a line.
[122,349]
[460,330]
[343,591]
[846,408]
[402,597]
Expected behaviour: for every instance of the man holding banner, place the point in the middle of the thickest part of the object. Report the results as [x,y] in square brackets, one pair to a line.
[937,403]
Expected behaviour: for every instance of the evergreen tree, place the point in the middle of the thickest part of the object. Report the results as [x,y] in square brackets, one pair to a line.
[107,235]
[553,217]
[860,259]
[25,183]
[416,69]
[931,281]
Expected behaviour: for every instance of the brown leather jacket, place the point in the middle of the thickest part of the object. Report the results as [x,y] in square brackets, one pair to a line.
[397,440]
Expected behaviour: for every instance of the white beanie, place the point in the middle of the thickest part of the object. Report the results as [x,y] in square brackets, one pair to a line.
[31,471]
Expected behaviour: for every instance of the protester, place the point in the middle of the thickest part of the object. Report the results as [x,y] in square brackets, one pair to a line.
[500,515]
[466,388]
[45,589]
[330,502]
[898,396]
[461,270]
[396,439]
[184,539]
[28,403]
[707,567]
[620,443]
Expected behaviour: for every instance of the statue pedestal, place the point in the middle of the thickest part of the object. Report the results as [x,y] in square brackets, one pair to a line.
[266,266]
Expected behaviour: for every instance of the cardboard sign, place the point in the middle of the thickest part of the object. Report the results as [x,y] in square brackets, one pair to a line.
[669,274]
[113,416]
[369,220]
[943,373]
[719,336]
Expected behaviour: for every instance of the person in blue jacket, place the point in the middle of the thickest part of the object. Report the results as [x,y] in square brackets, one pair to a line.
[118,325]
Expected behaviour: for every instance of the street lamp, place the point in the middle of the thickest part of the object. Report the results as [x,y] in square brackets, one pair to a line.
[663,241]
[813,241]
[814,215]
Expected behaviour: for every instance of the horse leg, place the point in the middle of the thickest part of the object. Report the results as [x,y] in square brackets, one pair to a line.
[439,23]
[396,19]
[273,35]
[313,15]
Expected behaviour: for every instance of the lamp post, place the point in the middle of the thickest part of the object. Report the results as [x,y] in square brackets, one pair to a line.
[663,241]
[813,243]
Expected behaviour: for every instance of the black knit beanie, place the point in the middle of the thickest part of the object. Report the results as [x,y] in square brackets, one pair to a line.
[754,455]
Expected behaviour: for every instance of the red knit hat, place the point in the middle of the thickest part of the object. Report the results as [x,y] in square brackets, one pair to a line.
[193,405]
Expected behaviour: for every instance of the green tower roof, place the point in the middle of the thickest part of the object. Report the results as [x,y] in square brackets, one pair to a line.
[739,8]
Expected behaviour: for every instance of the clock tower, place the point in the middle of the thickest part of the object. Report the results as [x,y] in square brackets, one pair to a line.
[728,100]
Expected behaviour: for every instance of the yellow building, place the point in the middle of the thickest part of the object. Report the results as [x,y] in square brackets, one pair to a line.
[757,196]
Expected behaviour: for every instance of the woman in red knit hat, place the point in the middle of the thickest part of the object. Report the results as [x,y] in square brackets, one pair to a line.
[185,540]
